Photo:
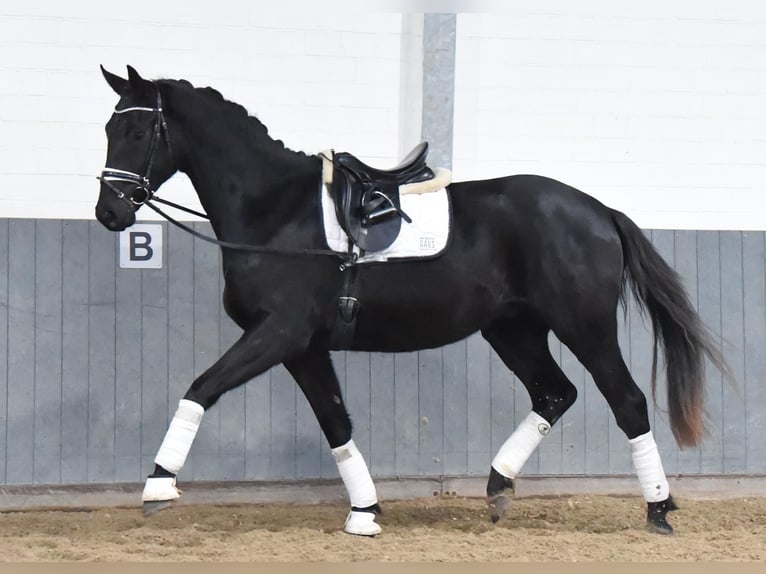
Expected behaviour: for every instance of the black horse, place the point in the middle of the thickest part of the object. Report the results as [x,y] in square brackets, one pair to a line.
[528,255]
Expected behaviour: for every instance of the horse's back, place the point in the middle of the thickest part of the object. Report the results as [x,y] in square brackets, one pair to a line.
[527,209]
[530,196]
[555,238]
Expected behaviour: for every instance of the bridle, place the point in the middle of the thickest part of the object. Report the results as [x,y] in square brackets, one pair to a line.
[142,182]
[109,176]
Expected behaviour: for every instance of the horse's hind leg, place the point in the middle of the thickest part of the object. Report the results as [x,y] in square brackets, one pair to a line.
[314,373]
[522,344]
[599,352]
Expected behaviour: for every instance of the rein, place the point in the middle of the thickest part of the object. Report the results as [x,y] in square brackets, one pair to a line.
[110,175]
[347,260]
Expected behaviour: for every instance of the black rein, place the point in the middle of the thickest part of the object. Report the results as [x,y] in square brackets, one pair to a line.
[238,246]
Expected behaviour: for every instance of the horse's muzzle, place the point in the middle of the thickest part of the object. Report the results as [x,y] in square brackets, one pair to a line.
[113,221]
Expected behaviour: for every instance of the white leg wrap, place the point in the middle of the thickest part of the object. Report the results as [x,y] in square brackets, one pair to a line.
[520,445]
[356,477]
[178,440]
[648,465]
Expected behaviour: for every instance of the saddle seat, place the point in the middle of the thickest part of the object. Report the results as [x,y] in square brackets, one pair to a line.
[366,198]
[411,169]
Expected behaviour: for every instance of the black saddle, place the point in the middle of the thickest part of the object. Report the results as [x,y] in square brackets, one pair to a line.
[367,200]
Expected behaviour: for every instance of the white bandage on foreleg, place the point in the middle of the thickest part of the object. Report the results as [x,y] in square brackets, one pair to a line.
[520,445]
[356,477]
[648,465]
[180,436]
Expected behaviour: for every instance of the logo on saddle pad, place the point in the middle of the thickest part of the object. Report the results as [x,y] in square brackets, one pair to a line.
[427,243]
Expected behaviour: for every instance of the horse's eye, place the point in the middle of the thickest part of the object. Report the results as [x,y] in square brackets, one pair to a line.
[138,134]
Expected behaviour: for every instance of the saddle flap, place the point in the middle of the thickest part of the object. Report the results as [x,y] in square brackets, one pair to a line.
[363,215]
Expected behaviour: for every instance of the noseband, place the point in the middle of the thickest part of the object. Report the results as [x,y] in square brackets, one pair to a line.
[109,175]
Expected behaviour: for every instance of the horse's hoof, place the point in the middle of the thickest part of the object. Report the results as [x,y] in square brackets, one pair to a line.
[497,502]
[361,524]
[656,520]
[154,506]
[498,505]
[659,527]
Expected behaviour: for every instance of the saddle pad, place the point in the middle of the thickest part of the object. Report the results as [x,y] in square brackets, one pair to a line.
[426,236]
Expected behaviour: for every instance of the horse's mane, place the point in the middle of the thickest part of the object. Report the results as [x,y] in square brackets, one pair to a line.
[236,110]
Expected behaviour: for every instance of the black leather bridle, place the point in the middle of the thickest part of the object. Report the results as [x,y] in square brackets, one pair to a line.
[142,192]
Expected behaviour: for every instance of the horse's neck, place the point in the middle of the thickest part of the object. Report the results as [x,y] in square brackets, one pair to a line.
[251,188]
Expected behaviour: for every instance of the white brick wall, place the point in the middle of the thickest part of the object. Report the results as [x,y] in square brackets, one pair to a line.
[317,79]
[655,107]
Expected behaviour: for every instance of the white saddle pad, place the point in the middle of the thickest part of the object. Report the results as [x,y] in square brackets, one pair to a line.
[426,236]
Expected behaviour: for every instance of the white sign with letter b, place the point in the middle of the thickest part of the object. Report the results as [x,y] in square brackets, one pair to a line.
[141,246]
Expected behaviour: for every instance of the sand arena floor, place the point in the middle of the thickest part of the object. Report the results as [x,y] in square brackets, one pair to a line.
[573,528]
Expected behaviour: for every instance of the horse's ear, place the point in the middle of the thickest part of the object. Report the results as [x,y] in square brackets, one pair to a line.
[117,83]
[137,83]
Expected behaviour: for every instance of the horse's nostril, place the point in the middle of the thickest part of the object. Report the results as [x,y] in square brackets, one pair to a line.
[109,219]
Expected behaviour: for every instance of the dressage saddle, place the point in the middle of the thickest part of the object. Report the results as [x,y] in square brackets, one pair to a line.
[366,199]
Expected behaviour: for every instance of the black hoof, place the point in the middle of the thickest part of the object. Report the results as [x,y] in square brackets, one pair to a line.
[497,502]
[498,505]
[155,506]
[656,520]
[659,526]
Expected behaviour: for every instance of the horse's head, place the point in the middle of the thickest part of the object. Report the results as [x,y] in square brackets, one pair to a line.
[139,157]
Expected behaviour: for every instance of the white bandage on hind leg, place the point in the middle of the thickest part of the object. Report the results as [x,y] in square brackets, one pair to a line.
[648,465]
[520,445]
[356,477]
[180,436]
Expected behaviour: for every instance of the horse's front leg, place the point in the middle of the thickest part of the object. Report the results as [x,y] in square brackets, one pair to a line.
[314,373]
[256,351]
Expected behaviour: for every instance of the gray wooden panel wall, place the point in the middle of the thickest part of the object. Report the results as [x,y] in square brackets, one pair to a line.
[94,358]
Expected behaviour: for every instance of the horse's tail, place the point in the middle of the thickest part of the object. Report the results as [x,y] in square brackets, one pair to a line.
[686,341]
